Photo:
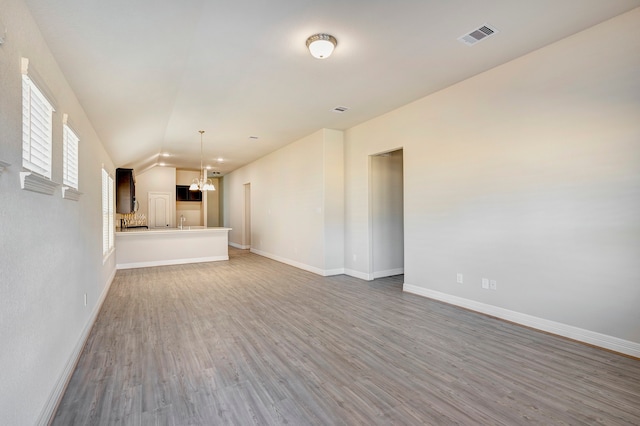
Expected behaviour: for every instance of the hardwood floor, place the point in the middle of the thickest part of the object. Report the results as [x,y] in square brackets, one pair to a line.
[253,341]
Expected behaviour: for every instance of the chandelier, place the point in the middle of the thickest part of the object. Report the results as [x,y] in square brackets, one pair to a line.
[202,184]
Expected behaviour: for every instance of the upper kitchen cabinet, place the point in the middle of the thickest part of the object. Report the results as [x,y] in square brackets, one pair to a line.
[125,191]
[184,194]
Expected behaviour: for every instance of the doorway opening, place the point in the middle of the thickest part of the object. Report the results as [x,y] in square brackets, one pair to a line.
[386,201]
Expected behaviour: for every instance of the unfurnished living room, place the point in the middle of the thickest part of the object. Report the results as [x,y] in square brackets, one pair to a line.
[319,213]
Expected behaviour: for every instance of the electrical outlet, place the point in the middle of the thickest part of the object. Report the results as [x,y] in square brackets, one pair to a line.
[485,283]
[459,278]
[493,285]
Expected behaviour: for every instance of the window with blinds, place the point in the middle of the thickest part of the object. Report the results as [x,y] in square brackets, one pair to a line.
[108,227]
[69,157]
[37,114]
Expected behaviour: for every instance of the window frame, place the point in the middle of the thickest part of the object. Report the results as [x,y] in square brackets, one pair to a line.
[37,129]
[108,227]
[70,157]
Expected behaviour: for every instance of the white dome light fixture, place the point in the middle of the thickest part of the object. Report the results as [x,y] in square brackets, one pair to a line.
[321,45]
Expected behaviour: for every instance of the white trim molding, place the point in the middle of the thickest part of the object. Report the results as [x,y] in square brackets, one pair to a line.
[3,165]
[69,193]
[239,246]
[299,265]
[290,262]
[36,183]
[358,274]
[585,336]
[388,273]
[333,272]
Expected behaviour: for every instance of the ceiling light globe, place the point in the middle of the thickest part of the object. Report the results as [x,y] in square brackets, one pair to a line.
[321,45]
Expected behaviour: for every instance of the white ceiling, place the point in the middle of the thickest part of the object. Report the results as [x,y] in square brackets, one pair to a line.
[151,73]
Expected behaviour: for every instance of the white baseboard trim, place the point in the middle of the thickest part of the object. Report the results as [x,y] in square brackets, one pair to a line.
[170,262]
[239,246]
[332,272]
[299,265]
[388,273]
[61,384]
[358,274]
[586,336]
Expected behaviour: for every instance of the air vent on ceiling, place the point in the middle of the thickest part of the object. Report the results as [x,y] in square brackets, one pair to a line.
[477,35]
[340,109]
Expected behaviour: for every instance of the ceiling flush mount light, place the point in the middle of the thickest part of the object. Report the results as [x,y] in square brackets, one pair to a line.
[321,45]
[202,184]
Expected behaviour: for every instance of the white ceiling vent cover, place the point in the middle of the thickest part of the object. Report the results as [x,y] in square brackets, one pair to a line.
[340,109]
[478,35]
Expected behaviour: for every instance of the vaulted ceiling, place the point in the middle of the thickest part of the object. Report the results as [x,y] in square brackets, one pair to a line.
[151,73]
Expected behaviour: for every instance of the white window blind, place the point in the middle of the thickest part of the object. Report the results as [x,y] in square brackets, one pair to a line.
[108,227]
[37,114]
[70,157]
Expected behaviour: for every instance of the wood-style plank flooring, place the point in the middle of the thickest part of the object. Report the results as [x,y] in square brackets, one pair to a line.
[254,342]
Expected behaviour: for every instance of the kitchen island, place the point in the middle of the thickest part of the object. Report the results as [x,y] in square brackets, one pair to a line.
[140,248]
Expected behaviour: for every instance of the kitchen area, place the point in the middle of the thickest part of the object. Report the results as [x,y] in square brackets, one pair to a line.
[161,222]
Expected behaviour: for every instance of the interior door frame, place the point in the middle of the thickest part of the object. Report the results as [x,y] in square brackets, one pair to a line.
[372,273]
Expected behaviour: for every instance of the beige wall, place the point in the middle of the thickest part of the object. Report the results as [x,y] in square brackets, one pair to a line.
[527,174]
[50,248]
[213,205]
[296,201]
[185,177]
[192,211]
[333,186]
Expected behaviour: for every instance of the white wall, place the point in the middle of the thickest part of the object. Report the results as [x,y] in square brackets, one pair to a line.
[528,174]
[296,206]
[333,184]
[50,248]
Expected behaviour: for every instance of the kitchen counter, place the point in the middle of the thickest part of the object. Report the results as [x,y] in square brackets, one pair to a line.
[140,247]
